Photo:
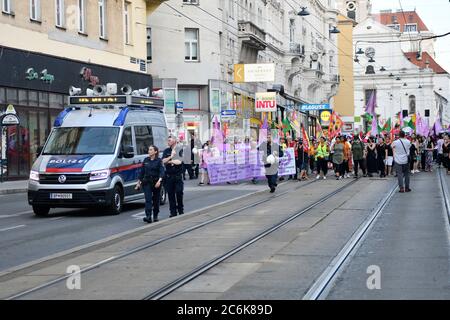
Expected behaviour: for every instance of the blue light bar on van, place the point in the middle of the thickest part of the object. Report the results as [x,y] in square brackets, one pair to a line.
[120,120]
[60,118]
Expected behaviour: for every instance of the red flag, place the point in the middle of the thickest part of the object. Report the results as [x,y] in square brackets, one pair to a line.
[305,139]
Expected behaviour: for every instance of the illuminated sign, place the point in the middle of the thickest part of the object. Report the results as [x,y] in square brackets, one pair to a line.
[147,101]
[98,100]
[325,117]
[312,107]
[86,74]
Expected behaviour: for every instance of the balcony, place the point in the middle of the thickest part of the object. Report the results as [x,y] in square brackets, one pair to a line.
[152,5]
[251,35]
[297,49]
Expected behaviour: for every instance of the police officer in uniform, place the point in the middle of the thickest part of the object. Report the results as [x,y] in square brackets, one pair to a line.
[172,159]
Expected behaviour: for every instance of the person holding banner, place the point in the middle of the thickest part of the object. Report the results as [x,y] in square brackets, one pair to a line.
[271,154]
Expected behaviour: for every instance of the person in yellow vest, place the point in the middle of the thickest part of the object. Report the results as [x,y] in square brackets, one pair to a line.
[322,154]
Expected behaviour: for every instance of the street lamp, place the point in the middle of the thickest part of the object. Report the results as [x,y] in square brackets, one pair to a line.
[304,12]
[335,30]
[360,51]
[382,69]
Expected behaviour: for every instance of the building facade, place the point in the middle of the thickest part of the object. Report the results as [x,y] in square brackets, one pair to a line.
[394,59]
[48,46]
[194,45]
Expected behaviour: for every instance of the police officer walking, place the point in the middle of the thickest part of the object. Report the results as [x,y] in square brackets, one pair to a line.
[172,159]
[150,178]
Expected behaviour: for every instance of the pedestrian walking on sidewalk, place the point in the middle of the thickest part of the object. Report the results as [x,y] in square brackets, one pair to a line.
[401,149]
[172,159]
[150,179]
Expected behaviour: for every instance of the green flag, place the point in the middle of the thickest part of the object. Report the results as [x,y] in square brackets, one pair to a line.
[410,124]
[286,125]
[387,126]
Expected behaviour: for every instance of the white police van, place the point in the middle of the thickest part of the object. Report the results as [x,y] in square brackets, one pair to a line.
[94,153]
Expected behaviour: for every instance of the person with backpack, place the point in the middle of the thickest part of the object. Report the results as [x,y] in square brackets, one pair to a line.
[358,155]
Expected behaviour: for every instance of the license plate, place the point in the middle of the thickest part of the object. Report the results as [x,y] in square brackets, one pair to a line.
[60,196]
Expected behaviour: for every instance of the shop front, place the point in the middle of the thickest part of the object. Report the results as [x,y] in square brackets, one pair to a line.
[37,86]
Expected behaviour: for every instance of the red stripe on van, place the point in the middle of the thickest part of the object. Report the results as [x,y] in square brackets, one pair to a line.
[128,167]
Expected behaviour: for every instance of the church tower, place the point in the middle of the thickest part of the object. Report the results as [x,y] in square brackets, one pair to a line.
[357,10]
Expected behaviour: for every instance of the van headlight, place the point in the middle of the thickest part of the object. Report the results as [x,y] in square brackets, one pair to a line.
[34,175]
[99,175]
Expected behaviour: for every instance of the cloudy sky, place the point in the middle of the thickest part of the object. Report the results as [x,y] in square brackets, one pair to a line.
[434,13]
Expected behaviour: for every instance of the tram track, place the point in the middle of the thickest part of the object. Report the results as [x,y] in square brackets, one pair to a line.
[188,277]
[156,242]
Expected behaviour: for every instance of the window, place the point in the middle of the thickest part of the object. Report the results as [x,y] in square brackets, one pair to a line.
[82,141]
[81,16]
[102,18]
[190,1]
[6,6]
[127,140]
[169,100]
[144,139]
[127,21]
[412,104]
[427,113]
[159,137]
[410,27]
[394,26]
[149,44]
[191,45]
[291,30]
[59,11]
[190,98]
[35,10]
[394,19]
[368,93]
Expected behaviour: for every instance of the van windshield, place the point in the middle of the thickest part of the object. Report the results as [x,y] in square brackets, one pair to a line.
[82,140]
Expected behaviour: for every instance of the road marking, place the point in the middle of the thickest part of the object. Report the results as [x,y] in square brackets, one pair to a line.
[11,228]
[139,215]
[57,218]
[15,214]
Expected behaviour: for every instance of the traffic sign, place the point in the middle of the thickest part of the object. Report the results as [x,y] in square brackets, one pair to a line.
[228,114]
[179,106]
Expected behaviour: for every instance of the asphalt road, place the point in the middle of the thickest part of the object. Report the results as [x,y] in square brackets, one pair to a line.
[25,237]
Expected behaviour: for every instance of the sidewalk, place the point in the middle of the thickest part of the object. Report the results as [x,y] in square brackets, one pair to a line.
[9,187]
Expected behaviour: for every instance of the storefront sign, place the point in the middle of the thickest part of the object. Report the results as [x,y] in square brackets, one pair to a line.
[9,120]
[46,77]
[86,74]
[312,107]
[325,116]
[262,72]
[266,101]
[348,127]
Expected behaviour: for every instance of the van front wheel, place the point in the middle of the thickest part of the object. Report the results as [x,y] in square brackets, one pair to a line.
[41,211]
[116,201]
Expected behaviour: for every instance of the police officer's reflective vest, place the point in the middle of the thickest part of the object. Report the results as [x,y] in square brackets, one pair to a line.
[322,151]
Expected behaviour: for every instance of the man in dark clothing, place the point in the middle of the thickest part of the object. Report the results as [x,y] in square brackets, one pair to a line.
[172,159]
[358,155]
[270,157]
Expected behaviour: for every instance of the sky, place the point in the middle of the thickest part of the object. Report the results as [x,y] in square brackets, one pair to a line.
[436,16]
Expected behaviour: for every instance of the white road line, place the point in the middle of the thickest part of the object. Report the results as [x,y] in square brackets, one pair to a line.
[15,214]
[57,218]
[11,228]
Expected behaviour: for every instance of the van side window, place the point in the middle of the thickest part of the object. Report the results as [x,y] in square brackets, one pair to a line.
[127,140]
[160,137]
[144,138]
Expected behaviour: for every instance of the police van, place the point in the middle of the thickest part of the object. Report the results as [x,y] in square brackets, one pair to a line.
[95,151]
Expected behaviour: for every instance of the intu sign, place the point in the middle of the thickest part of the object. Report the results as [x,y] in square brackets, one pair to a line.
[266,101]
